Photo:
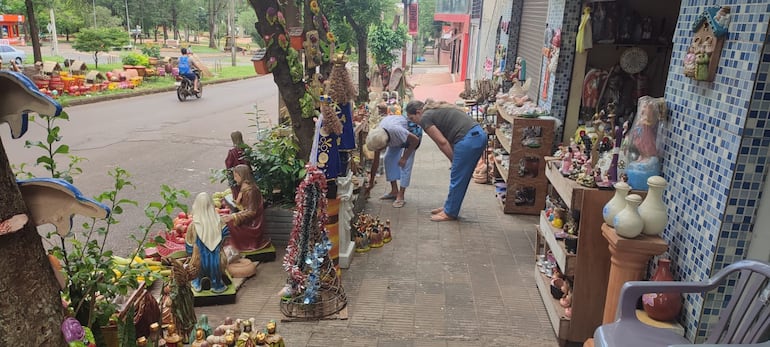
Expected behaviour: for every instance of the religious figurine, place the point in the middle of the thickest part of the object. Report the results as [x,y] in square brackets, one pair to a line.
[155,337]
[200,338]
[386,233]
[206,232]
[325,153]
[203,323]
[375,237]
[166,306]
[235,157]
[342,92]
[229,324]
[181,296]
[217,337]
[246,226]
[361,236]
[273,339]
[173,339]
[141,341]
[642,150]
[566,300]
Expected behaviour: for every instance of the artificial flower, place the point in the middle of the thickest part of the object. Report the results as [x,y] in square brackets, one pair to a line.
[330,36]
[314,7]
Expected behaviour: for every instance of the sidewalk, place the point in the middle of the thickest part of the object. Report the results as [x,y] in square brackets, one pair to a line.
[463,283]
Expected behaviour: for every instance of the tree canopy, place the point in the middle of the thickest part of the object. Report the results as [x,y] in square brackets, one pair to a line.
[99,40]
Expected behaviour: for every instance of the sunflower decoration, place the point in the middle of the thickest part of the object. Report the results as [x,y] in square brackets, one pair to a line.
[314,7]
[330,36]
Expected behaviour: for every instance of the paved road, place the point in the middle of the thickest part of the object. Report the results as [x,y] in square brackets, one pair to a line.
[157,139]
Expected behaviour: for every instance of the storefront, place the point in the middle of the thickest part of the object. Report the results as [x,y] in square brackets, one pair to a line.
[11,27]
[711,142]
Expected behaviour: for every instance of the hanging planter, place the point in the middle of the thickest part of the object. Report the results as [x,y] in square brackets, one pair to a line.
[260,65]
[295,35]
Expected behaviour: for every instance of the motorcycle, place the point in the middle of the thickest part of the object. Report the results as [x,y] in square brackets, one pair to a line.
[186,88]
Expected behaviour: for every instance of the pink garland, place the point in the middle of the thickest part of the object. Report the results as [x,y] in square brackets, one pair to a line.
[314,177]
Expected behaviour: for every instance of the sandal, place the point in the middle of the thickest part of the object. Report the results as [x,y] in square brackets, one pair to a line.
[399,203]
[441,217]
[388,196]
[437,210]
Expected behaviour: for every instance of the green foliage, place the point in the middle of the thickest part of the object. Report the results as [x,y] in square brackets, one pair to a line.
[92,280]
[427,29]
[383,40]
[136,59]
[276,167]
[52,151]
[99,40]
[307,104]
[151,51]
[295,66]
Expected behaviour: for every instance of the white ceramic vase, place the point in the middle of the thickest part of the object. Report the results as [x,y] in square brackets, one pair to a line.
[652,210]
[617,203]
[627,222]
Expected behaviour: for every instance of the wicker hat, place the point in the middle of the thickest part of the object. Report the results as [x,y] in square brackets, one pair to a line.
[377,139]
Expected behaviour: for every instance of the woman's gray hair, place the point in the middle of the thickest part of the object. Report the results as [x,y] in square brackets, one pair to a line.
[413,106]
[377,139]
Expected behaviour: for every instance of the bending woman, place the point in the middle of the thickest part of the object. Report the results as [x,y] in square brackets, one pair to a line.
[462,141]
[394,134]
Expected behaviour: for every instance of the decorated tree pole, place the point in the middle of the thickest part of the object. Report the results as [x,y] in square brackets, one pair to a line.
[31,310]
[287,68]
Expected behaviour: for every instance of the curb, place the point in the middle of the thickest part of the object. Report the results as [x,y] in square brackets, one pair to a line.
[100,98]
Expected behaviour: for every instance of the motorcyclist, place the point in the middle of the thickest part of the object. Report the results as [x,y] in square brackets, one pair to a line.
[186,66]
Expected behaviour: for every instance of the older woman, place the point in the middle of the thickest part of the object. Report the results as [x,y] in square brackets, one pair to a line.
[394,136]
[460,138]
[246,226]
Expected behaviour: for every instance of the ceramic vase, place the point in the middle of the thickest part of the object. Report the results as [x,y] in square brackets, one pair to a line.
[662,306]
[617,203]
[652,210]
[627,222]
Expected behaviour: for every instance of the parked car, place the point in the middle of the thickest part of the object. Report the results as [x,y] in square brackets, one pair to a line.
[10,53]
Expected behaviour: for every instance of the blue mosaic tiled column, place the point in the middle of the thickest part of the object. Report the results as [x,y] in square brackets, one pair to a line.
[715,152]
[564,14]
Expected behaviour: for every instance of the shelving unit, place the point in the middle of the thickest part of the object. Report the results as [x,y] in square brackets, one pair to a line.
[525,174]
[588,268]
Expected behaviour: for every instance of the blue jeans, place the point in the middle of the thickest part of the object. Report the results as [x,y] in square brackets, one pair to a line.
[467,152]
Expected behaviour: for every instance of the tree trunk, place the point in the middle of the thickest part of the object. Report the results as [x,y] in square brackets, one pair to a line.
[362,37]
[290,91]
[174,15]
[34,33]
[31,312]
[212,24]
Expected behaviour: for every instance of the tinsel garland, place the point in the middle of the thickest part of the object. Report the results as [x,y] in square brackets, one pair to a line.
[309,230]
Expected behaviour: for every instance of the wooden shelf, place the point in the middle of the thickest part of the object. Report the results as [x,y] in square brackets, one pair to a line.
[504,140]
[565,260]
[556,314]
[501,111]
[563,185]
[503,172]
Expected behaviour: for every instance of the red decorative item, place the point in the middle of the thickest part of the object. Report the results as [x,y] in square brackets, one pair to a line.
[295,35]
[260,65]
[662,306]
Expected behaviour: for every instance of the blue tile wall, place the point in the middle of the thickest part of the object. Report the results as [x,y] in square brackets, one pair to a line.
[564,14]
[714,151]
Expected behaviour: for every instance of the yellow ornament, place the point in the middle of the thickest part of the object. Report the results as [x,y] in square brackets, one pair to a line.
[557,222]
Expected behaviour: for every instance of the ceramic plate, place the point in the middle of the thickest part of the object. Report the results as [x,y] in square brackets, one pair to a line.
[633,60]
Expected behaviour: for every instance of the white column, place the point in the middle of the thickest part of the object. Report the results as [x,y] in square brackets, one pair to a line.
[347,198]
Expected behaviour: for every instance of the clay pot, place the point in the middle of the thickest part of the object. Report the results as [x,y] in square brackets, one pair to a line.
[662,306]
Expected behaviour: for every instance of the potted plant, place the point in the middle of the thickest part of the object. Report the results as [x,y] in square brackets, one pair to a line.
[260,65]
[295,35]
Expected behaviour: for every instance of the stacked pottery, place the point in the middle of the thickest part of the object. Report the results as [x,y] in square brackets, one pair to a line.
[627,222]
[652,210]
[616,204]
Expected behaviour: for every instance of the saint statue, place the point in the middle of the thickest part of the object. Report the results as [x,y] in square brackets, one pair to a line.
[246,226]
[206,233]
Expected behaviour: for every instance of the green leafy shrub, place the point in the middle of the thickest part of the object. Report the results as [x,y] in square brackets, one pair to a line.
[151,51]
[136,59]
[276,167]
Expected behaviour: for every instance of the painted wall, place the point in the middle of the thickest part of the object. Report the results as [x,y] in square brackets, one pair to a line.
[493,11]
[715,150]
